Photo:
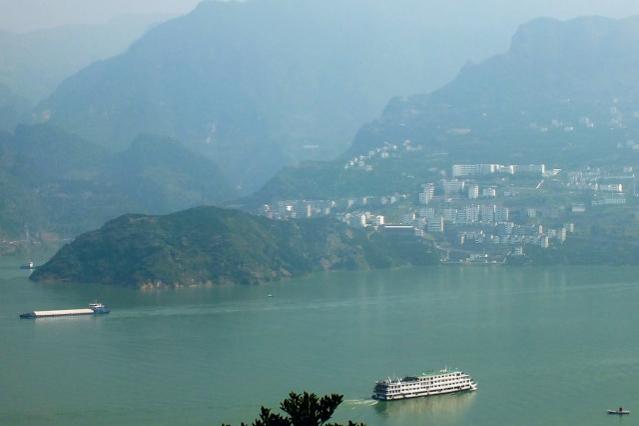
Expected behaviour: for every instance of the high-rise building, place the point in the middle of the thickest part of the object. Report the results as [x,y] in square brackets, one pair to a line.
[452,186]
[427,194]
[473,191]
[489,192]
[436,225]
[487,213]
[449,215]
[502,214]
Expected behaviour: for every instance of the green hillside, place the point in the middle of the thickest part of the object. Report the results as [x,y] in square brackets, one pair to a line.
[208,245]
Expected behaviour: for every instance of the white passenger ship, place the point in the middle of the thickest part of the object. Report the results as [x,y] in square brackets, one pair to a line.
[425,385]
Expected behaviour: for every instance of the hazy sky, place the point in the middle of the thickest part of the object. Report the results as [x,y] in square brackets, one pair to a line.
[27,15]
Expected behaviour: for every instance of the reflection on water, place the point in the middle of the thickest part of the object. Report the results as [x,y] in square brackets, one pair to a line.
[63,319]
[449,406]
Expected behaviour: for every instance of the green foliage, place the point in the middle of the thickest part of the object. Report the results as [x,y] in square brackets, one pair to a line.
[303,410]
[208,245]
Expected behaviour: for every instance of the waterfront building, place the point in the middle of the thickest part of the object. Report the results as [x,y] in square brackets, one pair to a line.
[436,225]
[504,229]
[489,192]
[502,214]
[460,170]
[536,169]
[561,234]
[473,191]
[452,186]
[487,213]
[427,194]
[544,242]
[449,215]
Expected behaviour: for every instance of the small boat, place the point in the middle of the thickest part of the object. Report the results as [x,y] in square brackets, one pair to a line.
[620,411]
[269,295]
[29,265]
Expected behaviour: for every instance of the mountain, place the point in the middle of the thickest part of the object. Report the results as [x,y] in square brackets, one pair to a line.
[163,176]
[257,84]
[58,182]
[208,245]
[564,91]
[564,94]
[33,64]
[12,108]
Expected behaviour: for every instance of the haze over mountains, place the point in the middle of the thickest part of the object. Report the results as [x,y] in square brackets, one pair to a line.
[32,64]
[54,181]
[579,73]
[237,105]
[255,85]
[564,92]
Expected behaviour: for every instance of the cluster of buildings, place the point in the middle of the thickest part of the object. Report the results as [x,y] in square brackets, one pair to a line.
[454,188]
[604,187]
[476,210]
[364,161]
[614,120]
[463,170]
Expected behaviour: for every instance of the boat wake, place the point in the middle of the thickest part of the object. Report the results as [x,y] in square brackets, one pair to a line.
[354,403]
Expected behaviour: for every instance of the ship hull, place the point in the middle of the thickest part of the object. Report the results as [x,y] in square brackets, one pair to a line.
[425,385]
[423,394]
[94,309]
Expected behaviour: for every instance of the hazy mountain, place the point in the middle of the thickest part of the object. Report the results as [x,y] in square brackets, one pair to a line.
[255,84]
[33,64]
[57,182]
[12,108]
[163,176]
[207,246]
[565,93]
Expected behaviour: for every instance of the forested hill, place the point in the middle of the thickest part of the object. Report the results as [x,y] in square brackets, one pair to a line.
[210,246]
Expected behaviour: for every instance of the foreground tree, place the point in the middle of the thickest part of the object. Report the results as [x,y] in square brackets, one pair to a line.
[302,410]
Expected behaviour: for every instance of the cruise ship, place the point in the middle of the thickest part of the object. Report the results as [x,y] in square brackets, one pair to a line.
[425,385]
[93,309]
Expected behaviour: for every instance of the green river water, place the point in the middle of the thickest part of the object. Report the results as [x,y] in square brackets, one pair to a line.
[547,346]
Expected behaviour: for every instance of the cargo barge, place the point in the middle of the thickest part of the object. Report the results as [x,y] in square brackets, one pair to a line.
[93,309]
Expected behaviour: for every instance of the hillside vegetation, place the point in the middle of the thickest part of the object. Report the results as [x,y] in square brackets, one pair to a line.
[210,246]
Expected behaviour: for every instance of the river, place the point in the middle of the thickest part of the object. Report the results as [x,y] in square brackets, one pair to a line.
[546,346]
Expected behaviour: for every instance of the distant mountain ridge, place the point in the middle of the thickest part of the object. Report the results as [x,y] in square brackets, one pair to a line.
[255,85]
[32,64]
[57,182]
[565,93]
[557,75]
[12,108]
[212,246]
